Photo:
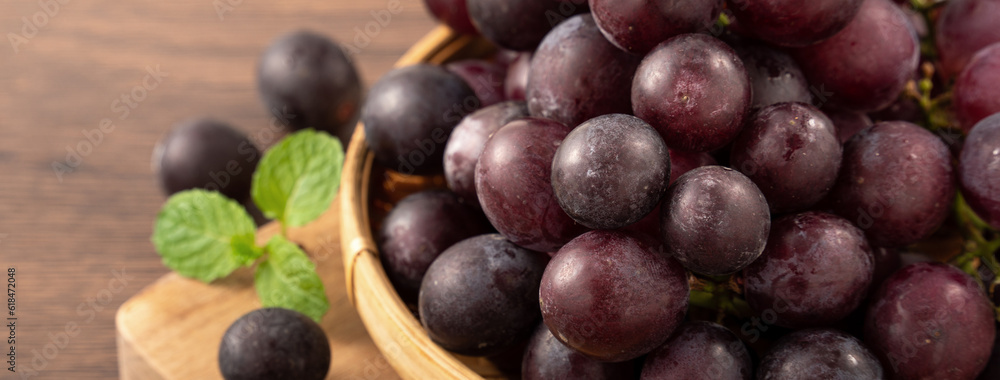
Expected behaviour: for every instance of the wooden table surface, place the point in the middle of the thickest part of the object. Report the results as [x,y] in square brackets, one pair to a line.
[80,240]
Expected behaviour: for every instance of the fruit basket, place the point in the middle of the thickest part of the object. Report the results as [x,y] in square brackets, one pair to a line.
[366,193]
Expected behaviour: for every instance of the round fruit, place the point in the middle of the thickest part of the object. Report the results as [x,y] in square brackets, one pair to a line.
[637,26]
[612,297]
[417,230]
[307,81]
[963,28]
[410,114]
[794,22]
[977,89]
[206,154]
[819,354]
[547,358]
[610,171]
[815,270]
[714,220]
[694,90]
[274,343]
[514,185]
[931,321]
[699,350]
[480,295]
[977,169]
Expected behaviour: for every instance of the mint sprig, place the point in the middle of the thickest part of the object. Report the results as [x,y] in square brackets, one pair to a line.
[206,236]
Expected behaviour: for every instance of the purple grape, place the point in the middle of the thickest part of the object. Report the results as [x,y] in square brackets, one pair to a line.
[484,77]
[417,230]
[775,76]
[963,28]
[519,24]
[576,74]
[848,123]
[977,89]
[931,321]
[610,171]
[714,220]
[612,297]
[513,182]
[699,350]
[903,109]
[479,297]
[637,26]
[794,23]
[547,358]
[274,343]
[453,13]
[308,81]
[694,90]
[865,66]
[895,182]
[515,86]
[206,154]
[467,141]
[977,169]
[819,354]
[791,152]
[815,270]
[410,113]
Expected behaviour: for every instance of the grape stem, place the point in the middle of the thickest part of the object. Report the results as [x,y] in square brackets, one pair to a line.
[720,293]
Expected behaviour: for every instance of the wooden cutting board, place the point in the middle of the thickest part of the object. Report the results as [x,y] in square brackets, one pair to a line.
[172,329]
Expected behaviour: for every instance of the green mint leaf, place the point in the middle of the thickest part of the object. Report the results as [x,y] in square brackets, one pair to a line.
[204,235]
[297,179]
[288,279]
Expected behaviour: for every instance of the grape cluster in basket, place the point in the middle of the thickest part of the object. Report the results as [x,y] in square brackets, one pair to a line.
[703,189]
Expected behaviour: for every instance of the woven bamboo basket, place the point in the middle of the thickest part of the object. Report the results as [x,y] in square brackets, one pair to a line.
[367,193]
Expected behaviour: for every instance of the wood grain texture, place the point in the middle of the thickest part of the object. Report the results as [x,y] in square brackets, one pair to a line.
[67,238]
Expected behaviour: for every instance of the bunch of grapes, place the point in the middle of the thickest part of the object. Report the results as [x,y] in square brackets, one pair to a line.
[710,189]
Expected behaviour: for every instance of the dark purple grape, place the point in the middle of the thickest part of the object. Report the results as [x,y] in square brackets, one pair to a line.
[410,113]
[417,230]
[977,169]
[815,270]
[467,141]
[612,297]
[274,343]
[453,13]
[791,152]
[547,358]
[515,86]
[637,26]
[903,109]
[977,89]
[308,81]
[576,74]
[519,24]
[714,220]
[206,154]
[610,171]
[694,90]
[683,162]
[963,28]
[931,321]
[848,123]
[895,182]
[699,350]
[865,66]
[794,23]
[819,354]
[514,185]
[484,77]
[480,295]
[775,76]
